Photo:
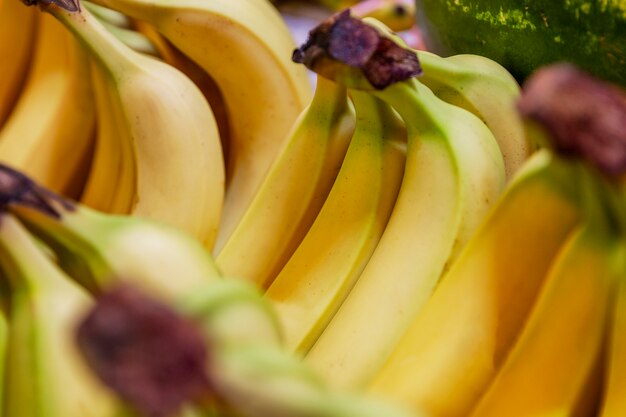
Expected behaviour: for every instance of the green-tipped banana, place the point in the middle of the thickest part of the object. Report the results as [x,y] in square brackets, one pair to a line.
[45,374]
[293,191]
[319,275]
[99,250]
[176,161]
[483,87]
[454,172]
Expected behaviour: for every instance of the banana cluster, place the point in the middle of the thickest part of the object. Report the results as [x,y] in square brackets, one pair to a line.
[412,235]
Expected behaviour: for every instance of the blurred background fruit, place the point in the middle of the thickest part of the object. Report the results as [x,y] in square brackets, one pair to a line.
[523,34]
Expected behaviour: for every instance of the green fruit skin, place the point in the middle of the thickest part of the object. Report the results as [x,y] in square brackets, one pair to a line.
[525,34]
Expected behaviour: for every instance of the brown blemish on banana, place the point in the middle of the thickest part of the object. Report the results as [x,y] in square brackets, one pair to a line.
[343,40]
[583,116]
[151,356]
[18,189]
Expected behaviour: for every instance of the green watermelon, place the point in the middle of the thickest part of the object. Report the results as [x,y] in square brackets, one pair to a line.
[525,34]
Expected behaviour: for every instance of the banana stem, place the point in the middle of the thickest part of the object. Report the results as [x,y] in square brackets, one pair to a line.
[418,107]
[113,55]
[22,261]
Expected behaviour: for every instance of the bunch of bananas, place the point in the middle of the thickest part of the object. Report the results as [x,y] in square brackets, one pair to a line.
[395,240]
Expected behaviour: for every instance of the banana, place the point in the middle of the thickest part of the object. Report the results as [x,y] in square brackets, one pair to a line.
[481,86]
[564,333]
[170,54]
[614,397]
[45,374]
[454,346]
[450,157]
[18,27]
[110,184]
[174,139]
[247,54]
[454,172]
[99,250]
[294,189]
[50,132]
[318,276]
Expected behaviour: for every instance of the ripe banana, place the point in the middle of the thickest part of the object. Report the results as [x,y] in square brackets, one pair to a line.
[111,183]
[453,348]
[45,374]
[18,27]
[248,56]
[319,275]
[294,189]
[178,164]
[553,366]
[170,54]
[481,86]
[49,134]
[99,250]
[614,397]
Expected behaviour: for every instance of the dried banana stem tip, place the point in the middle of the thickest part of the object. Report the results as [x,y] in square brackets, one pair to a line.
[584,116]
[346,50]
[151,356]
[68,5]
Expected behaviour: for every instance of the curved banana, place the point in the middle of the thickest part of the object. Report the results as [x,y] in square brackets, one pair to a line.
[453,174]
[98,250]
[563,335]
[319,275]
[453,348]
[174,138]
[294,189]
[614,397]
[45,374]
[245,46]
[483,87]
[170,54]
[50,132]
[110,185]
[18,28]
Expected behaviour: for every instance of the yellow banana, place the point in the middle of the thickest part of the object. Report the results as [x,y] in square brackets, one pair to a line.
[172,132]
[293,190]
[453,348]
[110,185]
[318,276]
[245,46]
[483,87]
[554,363]
[614,397]
[18,27]
[45,374]
[50,132]
[170,54]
